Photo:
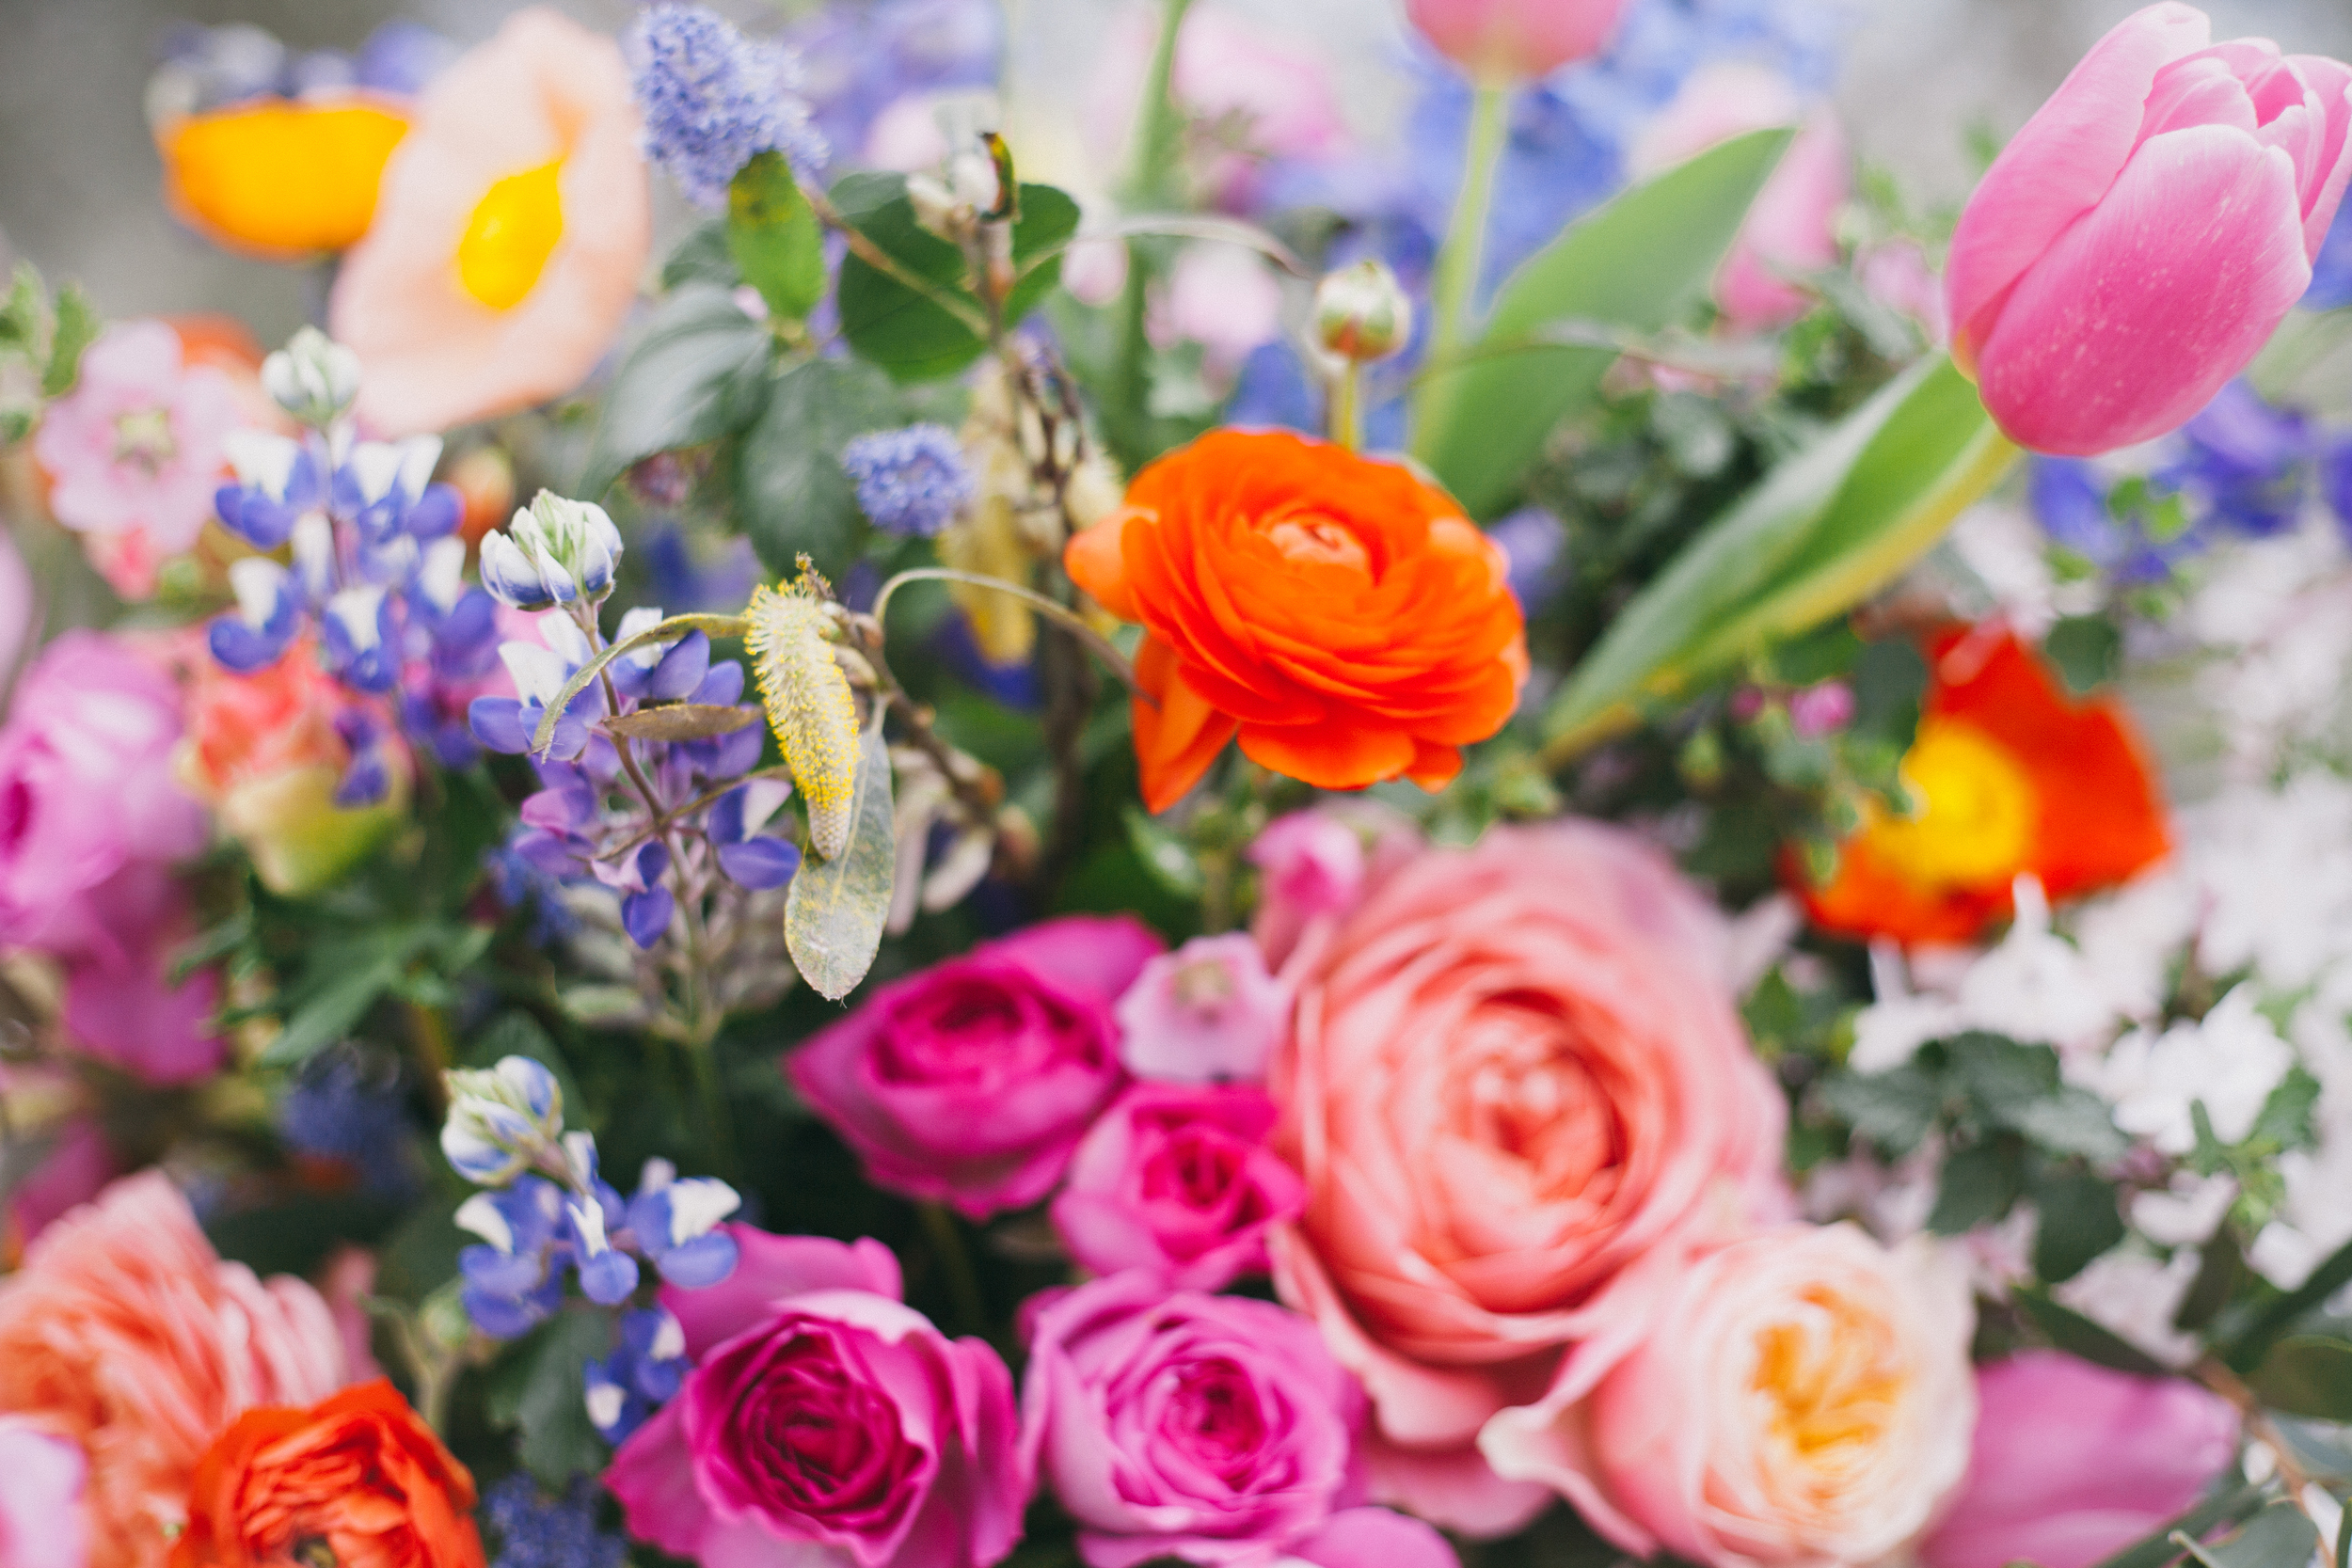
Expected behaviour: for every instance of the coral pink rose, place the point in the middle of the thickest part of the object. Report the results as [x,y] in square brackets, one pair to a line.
[824,1422]
[1800,1397]
[513,224]
[1518,1092]
[127,1334]
[42,1475]
[2073,1463]
[972,1083]
[2136,244]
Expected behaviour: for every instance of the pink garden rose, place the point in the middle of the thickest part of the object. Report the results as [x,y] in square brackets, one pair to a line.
[1177,1183]
[1800,1397]
[823,1414]
[1519,1093]
[972,1083]
[1216,1430]
[1505,42]
[1208,1010]
[127,1335]
[2134,245]
[1375,1538]
[41,1476]
[2073,1463]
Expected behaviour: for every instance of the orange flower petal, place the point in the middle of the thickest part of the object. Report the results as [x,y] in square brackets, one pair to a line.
[280,180]
[1176,741]
[1096,562]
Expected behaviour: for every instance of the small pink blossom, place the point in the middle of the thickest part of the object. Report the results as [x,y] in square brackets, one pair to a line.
[1821,709]
[137,448]
[1206,1011]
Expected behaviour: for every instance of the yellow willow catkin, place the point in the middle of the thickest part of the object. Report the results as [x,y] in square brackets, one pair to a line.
[808,701]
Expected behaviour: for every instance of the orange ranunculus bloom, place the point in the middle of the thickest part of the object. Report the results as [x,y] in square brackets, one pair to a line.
[357,1475]
[278,179]
[2013,777]
[1337,614]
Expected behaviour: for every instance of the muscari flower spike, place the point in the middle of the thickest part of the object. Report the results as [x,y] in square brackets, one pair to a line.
[534,1532]
[912,481]
[713,100]
[809,704]
[555,552]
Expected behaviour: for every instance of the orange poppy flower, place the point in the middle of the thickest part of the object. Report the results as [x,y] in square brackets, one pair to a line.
[1339,615]
[279,179]
[2013,777]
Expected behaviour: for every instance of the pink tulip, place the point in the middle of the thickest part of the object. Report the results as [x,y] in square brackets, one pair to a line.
[2073,1463]
[2136,244]
[1503,42]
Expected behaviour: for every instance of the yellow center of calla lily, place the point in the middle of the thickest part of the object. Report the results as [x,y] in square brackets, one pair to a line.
[1976,809]
[287,179]
[512,233]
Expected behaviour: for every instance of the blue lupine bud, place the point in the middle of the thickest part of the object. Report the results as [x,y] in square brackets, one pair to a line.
[377,481]
[503,1120]
[656,1344]
[258,632]
[313,378]
[713,100]
[911,481]
[277,481]
[555,551]
[533,1533]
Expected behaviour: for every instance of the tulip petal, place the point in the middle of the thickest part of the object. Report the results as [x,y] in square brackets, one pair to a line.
[2061,164]
[2143,310]
[2330,82]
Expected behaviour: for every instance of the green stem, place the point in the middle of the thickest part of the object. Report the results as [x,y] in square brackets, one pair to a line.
[1159,138]
[1460,259]
[963,1283]
[1054,610]
[710,1093]
[1347,413]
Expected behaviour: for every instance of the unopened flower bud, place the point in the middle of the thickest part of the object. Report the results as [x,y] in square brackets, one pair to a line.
[313,378]
[1362,312]
[554,552]
[503,1120]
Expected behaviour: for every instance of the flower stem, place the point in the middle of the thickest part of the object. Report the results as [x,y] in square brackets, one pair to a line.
[1158,141]
[1347,409]
[1460,259]
[955,1263]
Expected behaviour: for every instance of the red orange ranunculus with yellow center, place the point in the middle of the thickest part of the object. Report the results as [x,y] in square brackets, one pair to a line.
[2008,777]
[279,179]
[1337,614]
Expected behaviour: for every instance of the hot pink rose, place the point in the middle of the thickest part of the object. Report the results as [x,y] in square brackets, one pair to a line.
[972,1083]
[822,1413]
[2073,1463]
[1177,1183]
[41,1476]
[2134,245]
[1800,1397]
[1504,42]
[1213,1429]
[1518,1092]
[127,1334]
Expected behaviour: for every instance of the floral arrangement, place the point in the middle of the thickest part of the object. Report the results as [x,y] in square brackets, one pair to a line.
[894,817]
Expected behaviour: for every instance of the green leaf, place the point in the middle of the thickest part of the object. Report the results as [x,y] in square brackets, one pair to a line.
[936,331]
[1643,260]
[330,1011]
[774,236]
[1823,530]
[538,1388]
[2308,1374]
[2069,1121]
[666,630]
[2285,1121]
[2156,1549]
[1976,1185]
[791,491]
[2246,1348]
[2001,1075]
[697,371]
[2220,1265]
[2079,1220]
[2086,649]
[78,326]
[1894,1110]
[834,915]
[2076,1335]
[668,722]
[702,257]
[2280,1536]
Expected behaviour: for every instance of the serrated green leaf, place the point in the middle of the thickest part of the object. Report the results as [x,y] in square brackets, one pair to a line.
[1976,1186]
[1894,1110]
[538,1388]
[2079,1219]
[2307,1374]
[2280,1536]
[774,238]
[697,371]
[2285,1121]
[918,336]
[793,496]
[2076,1335]
[1641,260]
[835,912]
[78,326]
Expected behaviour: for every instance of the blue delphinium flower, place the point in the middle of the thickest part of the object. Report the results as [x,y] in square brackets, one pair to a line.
[910,481]
[335,1110]
[537,1532]
[713,100]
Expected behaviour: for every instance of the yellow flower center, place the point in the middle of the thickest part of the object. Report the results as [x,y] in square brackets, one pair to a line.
[1976,812]
[512,233]
[280,177]
[1832,1381]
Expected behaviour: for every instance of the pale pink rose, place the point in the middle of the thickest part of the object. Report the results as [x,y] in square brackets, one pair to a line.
[2073,1463]
[1800,1397]
[41,1476]
[125,1333]
[1519,1093]
[1791,229]
[1209,1010]
[134,452]
[437,352]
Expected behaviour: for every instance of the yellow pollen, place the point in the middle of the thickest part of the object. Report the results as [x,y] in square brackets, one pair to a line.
[1975,812]
[512,233]
[1834,1382]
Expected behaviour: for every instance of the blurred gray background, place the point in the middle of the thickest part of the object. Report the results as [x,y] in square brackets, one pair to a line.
[78,174]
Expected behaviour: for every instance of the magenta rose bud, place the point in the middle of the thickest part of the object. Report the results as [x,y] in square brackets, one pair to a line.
[972,1083]
[1178,1183]
[822,1413]
[2072,1462]
[2139,241]
[1213,1429]
[1208,1010]
[1504,42]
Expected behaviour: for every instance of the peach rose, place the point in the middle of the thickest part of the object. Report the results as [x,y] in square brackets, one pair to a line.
[126,1333]
[1519,1093]
[513,223]
[1801,1397]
